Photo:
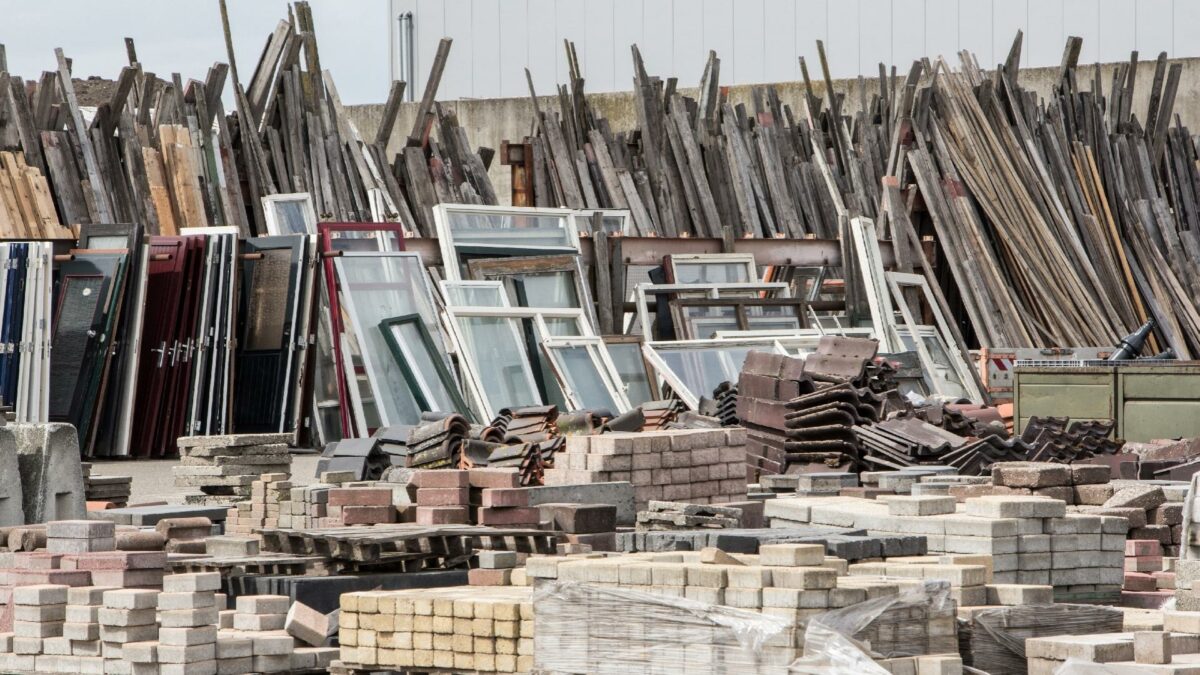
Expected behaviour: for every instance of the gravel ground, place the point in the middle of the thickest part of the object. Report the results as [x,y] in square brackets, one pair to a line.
[153,481]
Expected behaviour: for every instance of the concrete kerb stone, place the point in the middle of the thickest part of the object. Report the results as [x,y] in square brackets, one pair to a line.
[12,507]
[50,470]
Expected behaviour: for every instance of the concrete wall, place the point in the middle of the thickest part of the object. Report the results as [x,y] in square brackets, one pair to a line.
[490,121]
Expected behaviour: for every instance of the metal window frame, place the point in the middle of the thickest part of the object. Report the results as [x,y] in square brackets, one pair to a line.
[488,269]
[672,261]
[690,398]
[900,280]
[601,359]
[444,286]
[469,361]
[445,236]
[271,216]
[420,391]
[711,291]
[637,341]
[739,305]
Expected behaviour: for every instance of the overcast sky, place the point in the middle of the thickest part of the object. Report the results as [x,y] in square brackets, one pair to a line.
[184,36]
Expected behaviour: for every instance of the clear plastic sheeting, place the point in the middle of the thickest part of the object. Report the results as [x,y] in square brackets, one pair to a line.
[848,641]
[993,640]
[1081,667]
[591,628]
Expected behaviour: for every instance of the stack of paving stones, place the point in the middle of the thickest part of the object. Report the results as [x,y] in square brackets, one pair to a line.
[443,497]
[111,490]
[475,629]
[1133,652]
[358,506]
[679,516]
[817,484]
[590,525]
[299,507]
[1147,584]
[792,582]
[993,639]
[127,616]
[1032,539]
[702,466]
[224,468]
[263,509]
[845,543]
[498,500]
[80,536]
[495,568]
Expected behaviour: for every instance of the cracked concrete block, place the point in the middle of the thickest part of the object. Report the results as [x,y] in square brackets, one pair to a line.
[50,469]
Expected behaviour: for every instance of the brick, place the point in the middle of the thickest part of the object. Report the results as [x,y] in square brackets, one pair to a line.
[507,516]
[791,555]
[40,594]
[360,497]
[178,654]
[368,515]
[80,529]
[1090,474]
[131,599]
[1137,496]
[126,617]
[231,546]
[920,506]
[489,577]
[263,604]
[1030,474]
[308,625]
[198,581]
[443,515]
[187,618]
[1143,547]
[1152,647]
[187,636]
[443,496]
[494,478]
[1093,495]
[439,478]
[497,559]
[502,497]
[271,645]
[259,622]
[580,518]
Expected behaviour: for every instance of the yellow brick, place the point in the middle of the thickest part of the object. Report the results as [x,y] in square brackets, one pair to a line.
[443,606]
[368,621]
[462,642]
[506,663]
[443,659]
[423,658]
[527,611]
[349,654]
[443,643]
[506,629]
[385,622]
[443,624]
[387,657]
[422,641]
[525,647]
[403,623]
[368,655]
[483,645]
[526,629]
[367,638]
[386,640]
[348,602]
[506,646]
[464,661]
[348,637]
[368,603]
[423,607]
[525,663]
[404,605]
[506,611]
[464,609]
[484,609]
[387,604]
[462,626]
[404,659]
[481,627]
[348,620]
[422,624]
[403,641]
[485,663]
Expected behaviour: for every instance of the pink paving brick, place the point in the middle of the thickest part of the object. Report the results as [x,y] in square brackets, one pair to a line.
[440,478]
[481,577]
[508,516]
[443,515]
[505,497]
[368,515]
[443,496]
[1143,547]
[494,478]
[360,497]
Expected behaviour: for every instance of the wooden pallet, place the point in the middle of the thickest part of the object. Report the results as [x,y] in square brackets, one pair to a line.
[266,563]
[403,543]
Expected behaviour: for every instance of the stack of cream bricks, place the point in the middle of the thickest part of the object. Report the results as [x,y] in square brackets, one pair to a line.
[1032,539]
[180,629]
[223,468]
[701,466]
[475,629]
[794,582]
[276,502]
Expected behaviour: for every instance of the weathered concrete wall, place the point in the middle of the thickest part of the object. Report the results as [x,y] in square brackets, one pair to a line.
[490,121]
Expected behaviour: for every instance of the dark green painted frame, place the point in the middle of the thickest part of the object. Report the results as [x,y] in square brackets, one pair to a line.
[410,379]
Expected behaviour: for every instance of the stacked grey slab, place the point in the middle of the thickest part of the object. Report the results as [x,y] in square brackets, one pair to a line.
[223,468]
[845,543]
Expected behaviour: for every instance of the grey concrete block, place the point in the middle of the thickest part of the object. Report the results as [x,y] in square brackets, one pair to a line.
[51,473]
[619,494]
[12,507]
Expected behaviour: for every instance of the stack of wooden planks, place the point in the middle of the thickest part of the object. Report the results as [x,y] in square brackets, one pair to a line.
[26,207]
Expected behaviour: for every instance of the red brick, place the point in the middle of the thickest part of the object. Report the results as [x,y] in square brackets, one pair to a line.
[368,515]
[480,577]
[443,496]
[443,515]
[63,577]
[518,515]
[1139,581]
[360,497]
[116,560]
[494,478]
[37,561]
[1142,547]
[1143,563]
[505,497]
[127,578]
[439,478]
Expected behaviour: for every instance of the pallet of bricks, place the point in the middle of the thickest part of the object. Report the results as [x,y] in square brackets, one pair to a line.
[1031,539]
[700,466]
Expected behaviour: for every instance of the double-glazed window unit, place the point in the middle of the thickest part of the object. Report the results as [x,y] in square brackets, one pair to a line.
[470,231]
[473,294]
[711,268]
[426,374]
[554,281]
[694,368]
[701,318]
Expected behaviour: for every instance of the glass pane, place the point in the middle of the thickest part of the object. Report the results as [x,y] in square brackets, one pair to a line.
[772,317]
[548,289]
[461,295]
[711,273]
[292,216]
[627,357]
[500,361]
[375,288]
[423,364]
[703,369]
[363,240]
[266,285]
[563,327]
[107,241]
[704,321]
[509,229]
[583,377]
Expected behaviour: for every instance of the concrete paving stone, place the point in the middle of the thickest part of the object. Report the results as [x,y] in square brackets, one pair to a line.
[1141,496]
[199,581]
[131,598]
[1030,474]
[40,594]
